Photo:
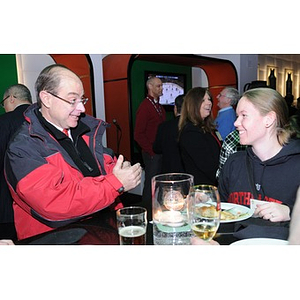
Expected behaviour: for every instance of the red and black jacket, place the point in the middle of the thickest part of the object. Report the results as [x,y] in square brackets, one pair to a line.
[47,187]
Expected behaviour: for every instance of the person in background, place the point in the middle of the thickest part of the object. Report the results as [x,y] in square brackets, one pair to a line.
[230,145]
[149,116]
[166,141]
[269,168]
[227,100]
[289,100]
[295,119]
[16,99]
[57,169]
[199,145]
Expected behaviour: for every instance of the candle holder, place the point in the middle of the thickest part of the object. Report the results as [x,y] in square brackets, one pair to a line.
[169,208]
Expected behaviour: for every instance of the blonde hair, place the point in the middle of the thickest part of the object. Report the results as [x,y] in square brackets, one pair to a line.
[266,100]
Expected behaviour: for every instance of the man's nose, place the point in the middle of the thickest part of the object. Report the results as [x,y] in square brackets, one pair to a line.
[80,107]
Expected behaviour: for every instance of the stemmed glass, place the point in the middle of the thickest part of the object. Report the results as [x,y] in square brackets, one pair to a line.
[204,210]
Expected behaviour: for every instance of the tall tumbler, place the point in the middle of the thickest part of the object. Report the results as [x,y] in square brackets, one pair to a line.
[169,208]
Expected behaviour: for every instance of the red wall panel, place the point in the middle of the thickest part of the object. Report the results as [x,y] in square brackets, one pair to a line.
[79,64]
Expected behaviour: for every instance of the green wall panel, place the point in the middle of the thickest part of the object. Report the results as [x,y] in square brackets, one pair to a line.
[8,73]
[137,79]
[137,83]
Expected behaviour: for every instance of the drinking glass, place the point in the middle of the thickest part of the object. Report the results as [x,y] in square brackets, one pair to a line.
[204,210]
[132,225]
[169,208]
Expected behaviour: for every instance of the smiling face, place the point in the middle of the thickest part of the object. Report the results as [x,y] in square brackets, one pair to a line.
[206,105]
[58,112]
[252,126]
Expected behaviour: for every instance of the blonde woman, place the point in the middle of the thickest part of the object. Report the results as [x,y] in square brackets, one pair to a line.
[269,168]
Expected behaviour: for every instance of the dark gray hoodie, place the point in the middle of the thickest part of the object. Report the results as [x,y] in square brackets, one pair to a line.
[275,180]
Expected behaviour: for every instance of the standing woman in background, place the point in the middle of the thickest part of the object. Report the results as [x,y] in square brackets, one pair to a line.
[198,142]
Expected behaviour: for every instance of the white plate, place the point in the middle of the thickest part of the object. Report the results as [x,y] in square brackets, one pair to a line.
[246,211]
[260,241]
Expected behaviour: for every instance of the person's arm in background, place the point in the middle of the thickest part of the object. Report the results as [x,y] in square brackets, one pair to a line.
[294,236]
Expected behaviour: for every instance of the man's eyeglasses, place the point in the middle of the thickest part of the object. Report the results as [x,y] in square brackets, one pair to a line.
[2,102]
[72,102]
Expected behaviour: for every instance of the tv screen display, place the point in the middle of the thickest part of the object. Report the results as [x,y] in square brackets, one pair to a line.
[173,86]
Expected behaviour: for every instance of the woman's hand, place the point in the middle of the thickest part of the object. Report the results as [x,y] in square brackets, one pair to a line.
[272,211]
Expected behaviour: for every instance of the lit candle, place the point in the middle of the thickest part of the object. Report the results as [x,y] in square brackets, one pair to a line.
[172,218]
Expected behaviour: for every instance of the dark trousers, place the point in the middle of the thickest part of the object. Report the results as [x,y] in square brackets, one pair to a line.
[152,168]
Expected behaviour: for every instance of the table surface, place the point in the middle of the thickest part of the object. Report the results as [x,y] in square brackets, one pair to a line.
[101,229]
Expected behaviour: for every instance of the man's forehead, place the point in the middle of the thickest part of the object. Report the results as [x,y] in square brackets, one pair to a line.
[68,79]
[157,81]
[67,75]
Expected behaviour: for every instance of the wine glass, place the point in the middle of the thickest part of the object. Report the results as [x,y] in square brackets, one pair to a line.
[204,210]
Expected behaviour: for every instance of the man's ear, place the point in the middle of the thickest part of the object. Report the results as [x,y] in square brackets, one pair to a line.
[228,101]
[12,99]
[45,98]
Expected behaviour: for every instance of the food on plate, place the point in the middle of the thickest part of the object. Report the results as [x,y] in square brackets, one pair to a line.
[207,211]
[227,214]
[232,214]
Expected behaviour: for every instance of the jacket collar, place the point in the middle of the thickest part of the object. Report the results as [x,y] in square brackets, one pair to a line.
[80,129]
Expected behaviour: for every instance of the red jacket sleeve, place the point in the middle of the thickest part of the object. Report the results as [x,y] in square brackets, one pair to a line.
[56,191]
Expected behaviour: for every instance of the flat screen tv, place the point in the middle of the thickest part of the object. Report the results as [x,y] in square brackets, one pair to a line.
[173,86]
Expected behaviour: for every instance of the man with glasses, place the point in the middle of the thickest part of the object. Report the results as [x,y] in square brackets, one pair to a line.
[57,168]
[16,99]
[227,101]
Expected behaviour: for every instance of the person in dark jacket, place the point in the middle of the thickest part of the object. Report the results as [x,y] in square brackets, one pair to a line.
[166,141]
[268,169]
[16,99]
[198,141]
[56,166]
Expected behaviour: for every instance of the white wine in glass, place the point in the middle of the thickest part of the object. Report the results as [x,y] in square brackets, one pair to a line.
[204,209]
